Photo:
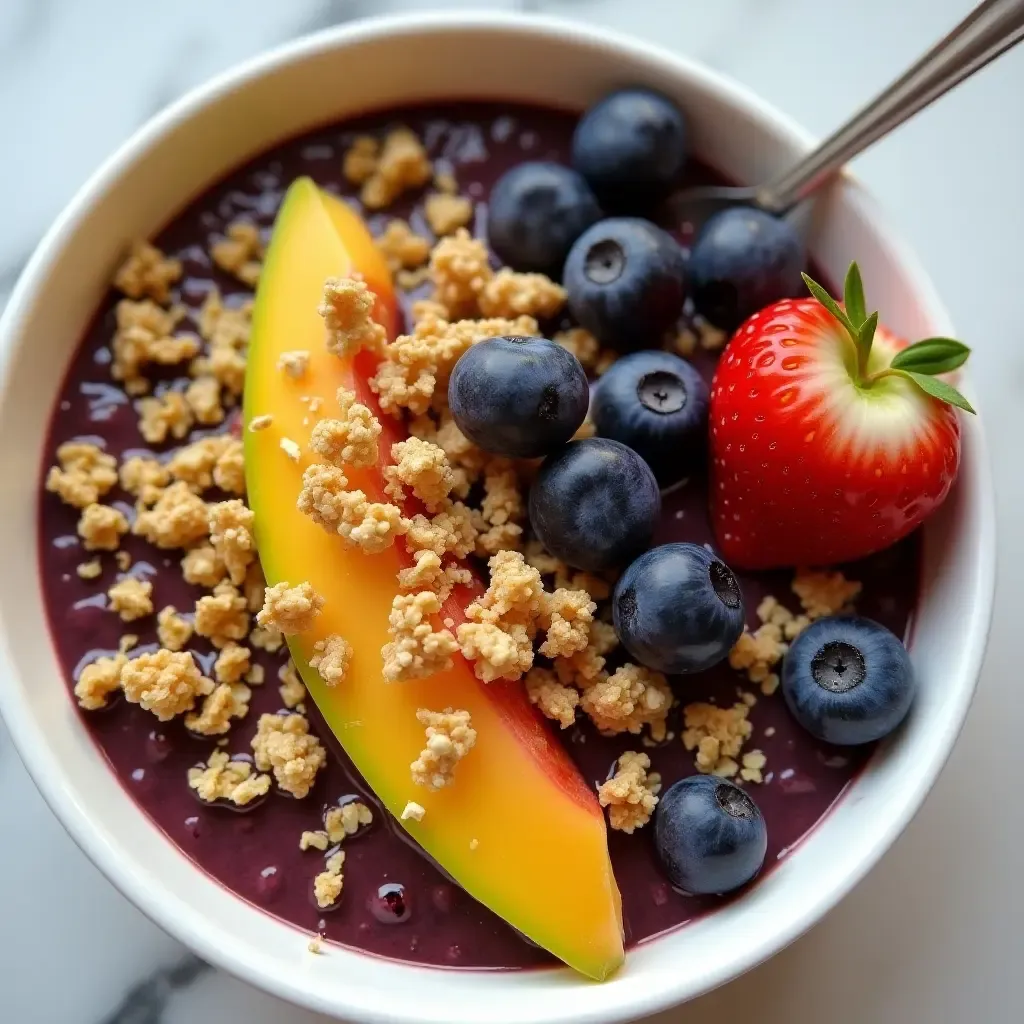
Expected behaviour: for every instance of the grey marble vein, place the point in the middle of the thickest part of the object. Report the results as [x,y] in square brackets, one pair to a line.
[146,1002]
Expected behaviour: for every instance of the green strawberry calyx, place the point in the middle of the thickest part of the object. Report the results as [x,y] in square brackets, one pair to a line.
[921,362]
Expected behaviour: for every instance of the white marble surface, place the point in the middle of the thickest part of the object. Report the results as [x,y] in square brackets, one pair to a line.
[935,933]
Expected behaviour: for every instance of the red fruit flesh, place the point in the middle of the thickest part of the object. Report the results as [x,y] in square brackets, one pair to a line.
[809,467]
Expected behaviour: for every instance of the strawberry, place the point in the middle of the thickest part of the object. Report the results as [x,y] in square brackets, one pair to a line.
[831,438]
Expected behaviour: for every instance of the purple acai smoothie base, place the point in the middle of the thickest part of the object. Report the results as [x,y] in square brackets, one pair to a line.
[255,853]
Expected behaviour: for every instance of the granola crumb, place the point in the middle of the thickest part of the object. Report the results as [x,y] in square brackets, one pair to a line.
[451,531]
[753,763]
[166,415]
[316,840]
[84,475]
[580,343]
[227,701]
[515,593]
[711,338]
[631,793]
[143,335]
[178,519]
[331,658]
[225,327]
[474,844]
[717,735]
[447,213]
[511,294]
[144,478]
[328,884]
[628,699]
[202,567]
[425,574]
[460,269]
[194,463]
[101,527]
[231,535]
[370,525]
[347,308]
[147,273]
[270,639]
[89,570]
[232,664]
[402,165]
[423,467]
[501,510]
[413,811]
[568,615]
[416,651]
[402,247]
[291,448]
[98,680]
[497,652]
[225,779]
[360,161]
[824,593]
[290,610]
[292,688]
[203,399]
[222,616]
[240,252]
[555,701]
[261,422]
[294,364]
[315,946]
[256,675]
[350,440]
[346,820]
[450,737]
[410,279]
[285,744]
[131,598]
[168,683]
[323,496]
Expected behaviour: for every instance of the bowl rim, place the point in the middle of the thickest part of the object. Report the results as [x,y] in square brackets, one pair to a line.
[29,739]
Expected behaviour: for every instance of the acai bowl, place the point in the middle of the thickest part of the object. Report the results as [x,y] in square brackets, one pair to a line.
[237,887]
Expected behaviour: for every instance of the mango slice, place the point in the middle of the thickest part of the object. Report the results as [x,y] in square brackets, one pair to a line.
[518,828]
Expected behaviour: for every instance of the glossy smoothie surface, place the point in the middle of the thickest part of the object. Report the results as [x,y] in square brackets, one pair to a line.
[396,902]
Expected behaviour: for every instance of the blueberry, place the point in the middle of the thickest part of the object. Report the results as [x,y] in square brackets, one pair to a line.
[710,836]
[657,404]
[743,260]
[678,608]
[632,147]
[520,397]
[848,680]
[536,212]
[626,280]
[595,504]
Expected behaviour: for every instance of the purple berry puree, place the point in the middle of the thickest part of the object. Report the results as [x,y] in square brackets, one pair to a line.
[396,902]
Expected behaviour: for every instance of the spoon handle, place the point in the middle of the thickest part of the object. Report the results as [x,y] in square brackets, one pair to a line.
[991,29]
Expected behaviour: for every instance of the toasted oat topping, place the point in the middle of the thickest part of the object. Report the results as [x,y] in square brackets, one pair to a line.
[628,699]
[98,680]
[515,593]
[324,497]
[131,598]
[360,162]
[316,840]
[717,735]
[331,658]
[203,398]
[84,475]
[352,438]
[163,416]
[568,615]
[270,639]
[101,527]
[224,779]
[347,309]
[292,688]
[460,269]
[631,793]
[423,467]
[824,593]
[413,811]
[450,737]
[258,423]
[284,744]
[178,519]
[202,567]
[753,763]
[425,574]
[144,477]
[372,526]
[224,326]
[581,343]
[231,526]
[402,165]
[497,651]
[555,701]
[222,616]
[327,885]
[229,473]
[402,247]
[227,701]
[226,365]
[449,532]
[90,570]
[194,463]
[290,610]
[147,273]
[240,252]
[294,364]
[168,683]
[142,327]
[447,213]
[346,820]
[232,664]
[501,510]
[416,650]
[511,294]
[291,448]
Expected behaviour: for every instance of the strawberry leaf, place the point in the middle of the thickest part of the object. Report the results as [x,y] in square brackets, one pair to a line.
[853,296]
[939,389]
[865,336]
[830,304]
[931,356]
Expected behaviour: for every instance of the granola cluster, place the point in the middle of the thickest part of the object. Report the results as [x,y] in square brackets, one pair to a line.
[631,794]
[450,737]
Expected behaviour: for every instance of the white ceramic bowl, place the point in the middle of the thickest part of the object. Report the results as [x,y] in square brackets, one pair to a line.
[376,64]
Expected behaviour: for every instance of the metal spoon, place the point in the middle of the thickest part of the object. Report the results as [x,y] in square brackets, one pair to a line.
[992,28]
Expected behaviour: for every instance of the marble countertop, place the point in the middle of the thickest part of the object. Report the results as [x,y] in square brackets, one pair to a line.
[934,934]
